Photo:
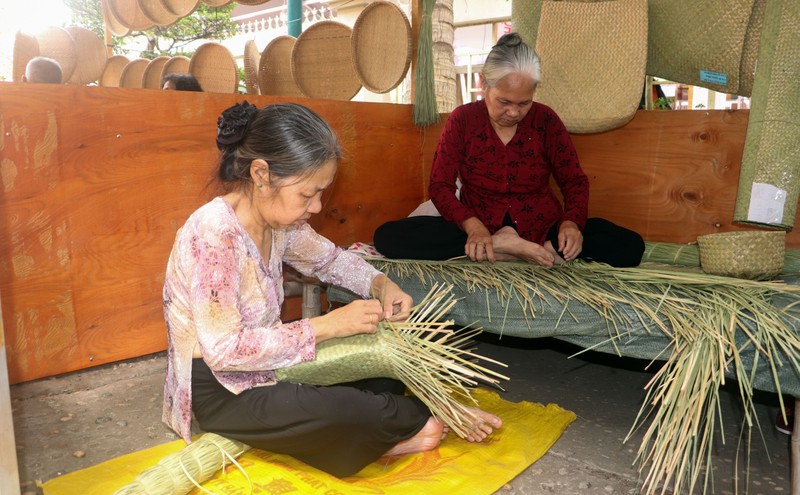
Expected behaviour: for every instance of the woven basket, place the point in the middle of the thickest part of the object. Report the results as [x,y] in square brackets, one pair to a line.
[176,65]
[130,15]
[594,56]
[58,44]
[251,60]
[751,254]
[131,76]
[181,8]
[91,54]
[217,3]
[157,13]
[275,68]
[25,48]
[322,64]
[381,46]
[151,79]
[112,23]
[113,70]
[215,68]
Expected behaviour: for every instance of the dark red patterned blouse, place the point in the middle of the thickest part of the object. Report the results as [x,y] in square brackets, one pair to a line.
[513,178]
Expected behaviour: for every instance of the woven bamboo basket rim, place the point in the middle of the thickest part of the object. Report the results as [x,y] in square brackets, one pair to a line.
[91,55]
[275,68]
[251,2]
[251,61]
[217,3]
[322,64]
[752,254]
[130,15]
[151,78]
[26,47]
[113,70]
[113,24]
[131,75]
[611,38]
[215,68]
[381,46]
[56,43]
[180,8]
[157,13]
[178,64]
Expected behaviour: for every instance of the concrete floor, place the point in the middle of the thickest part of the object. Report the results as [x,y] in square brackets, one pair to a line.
[73,421]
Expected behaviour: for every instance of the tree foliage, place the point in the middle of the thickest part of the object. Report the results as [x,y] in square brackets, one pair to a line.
[204,23]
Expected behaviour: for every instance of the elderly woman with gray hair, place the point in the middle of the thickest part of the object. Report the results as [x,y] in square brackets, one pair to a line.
[504,149]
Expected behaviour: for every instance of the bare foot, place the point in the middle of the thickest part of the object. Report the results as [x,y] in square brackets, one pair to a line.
[508,245]
[483,425]
[557,259]
[428,438]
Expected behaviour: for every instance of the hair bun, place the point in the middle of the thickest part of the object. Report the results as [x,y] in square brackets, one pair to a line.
[232,124]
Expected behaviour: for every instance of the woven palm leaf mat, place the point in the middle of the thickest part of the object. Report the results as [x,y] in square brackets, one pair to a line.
[457,466]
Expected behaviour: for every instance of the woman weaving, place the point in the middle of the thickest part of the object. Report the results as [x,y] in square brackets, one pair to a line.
[504,149]
[222,299]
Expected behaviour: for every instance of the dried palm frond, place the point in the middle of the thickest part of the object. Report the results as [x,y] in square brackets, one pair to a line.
[716,326]
[430,358]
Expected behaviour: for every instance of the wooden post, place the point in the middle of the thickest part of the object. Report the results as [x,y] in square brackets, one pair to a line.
[9,470]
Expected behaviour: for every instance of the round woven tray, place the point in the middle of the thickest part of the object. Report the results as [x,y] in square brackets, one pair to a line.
[251,2]
[130,15]
[131,76]
[25,48]
[251,59]
[215,68]
[112,23]
[151,78]
[176,65]
[57,43]
[181,8]
[275,68]
[217,3]
[381,46]
[753,254]
[322,64]
[113,70]
[156,12]
[91,55]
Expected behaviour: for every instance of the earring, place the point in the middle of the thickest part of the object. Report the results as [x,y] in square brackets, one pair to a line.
[260,185]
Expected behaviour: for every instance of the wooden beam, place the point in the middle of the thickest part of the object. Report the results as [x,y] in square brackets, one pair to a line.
[9,470]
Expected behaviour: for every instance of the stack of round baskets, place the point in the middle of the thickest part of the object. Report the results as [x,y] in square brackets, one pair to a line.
[752,254]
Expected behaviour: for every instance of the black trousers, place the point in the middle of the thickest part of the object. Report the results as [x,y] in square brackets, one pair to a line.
[434,238]
[339,429]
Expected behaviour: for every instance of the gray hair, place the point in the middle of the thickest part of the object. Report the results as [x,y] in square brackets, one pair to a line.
[291,138]
[508,56]
[43,70]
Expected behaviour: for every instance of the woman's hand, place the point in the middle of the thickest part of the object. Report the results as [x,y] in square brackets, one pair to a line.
[479,241]
[570,240]
[360,316]
[396,304]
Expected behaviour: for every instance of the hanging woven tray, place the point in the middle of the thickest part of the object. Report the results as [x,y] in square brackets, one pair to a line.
[157,13]
[151,79]
[322,64]
[217,3]
[112,23]
[91,55]
[176,65]
[131,76]
[130,15]
[113,71]
[381,46]
[26,47]
[275,68]
[57,43]
[180,8]
[251,56]
[215,68]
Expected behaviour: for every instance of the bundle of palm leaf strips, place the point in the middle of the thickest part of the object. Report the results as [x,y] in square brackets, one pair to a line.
[425,352]
[714,326]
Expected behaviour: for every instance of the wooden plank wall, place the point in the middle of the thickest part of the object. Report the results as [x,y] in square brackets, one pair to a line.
[95,182]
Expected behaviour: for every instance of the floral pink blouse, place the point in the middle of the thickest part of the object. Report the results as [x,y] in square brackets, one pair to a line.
[219,293]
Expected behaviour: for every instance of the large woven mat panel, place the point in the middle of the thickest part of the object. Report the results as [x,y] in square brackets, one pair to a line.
[593,61]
